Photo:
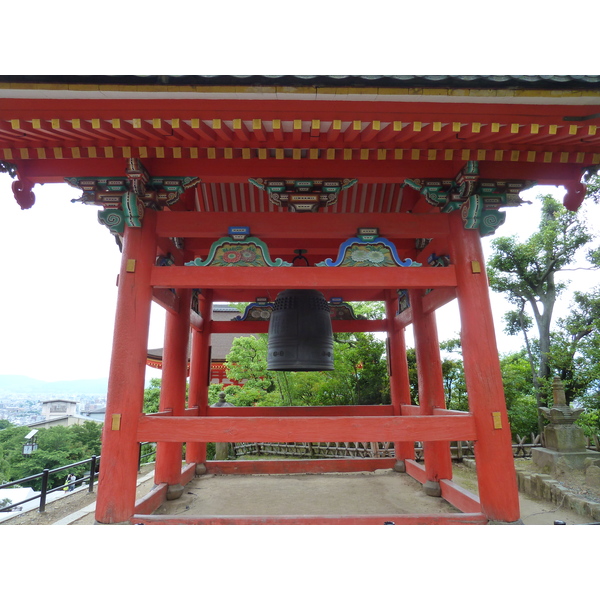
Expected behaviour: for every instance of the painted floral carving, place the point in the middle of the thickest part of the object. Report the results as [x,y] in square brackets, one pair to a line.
[227,252]
[231,256]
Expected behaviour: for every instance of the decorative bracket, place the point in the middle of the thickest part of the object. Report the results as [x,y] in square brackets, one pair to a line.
[367,249]
[257,311]
[125,199]
[22,187]
[342,311]
[239,250]
[303,195]
[7,167]
[479,200]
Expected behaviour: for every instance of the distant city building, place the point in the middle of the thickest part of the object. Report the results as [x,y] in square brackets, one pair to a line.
[60,412]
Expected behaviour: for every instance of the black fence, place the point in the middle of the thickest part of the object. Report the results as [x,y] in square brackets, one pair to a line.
[44,476]
[90,477]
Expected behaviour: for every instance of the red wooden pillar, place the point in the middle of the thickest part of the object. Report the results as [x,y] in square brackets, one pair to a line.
[496,476]
[172,392]
[118,470]
[438,460]
[399,378]
[200,377]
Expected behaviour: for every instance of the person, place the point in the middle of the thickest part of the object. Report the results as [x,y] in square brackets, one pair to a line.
[71,479]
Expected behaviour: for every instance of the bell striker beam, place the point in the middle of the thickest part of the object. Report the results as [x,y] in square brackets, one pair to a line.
[493,451]
[118,474]
[199,377]
[399,378]
[172,393]
[438,461]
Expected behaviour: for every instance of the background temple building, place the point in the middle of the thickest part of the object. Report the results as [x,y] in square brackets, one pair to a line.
[221,345]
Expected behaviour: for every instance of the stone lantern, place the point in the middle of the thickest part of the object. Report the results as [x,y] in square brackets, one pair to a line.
[565,444]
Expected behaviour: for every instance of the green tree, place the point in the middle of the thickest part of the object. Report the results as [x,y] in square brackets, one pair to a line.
[359,377]
[57,447]
[526,273]
[152,396]
[575,356]
[453,373]
[519,393]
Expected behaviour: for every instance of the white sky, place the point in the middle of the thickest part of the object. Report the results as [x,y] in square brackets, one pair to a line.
[59,285]
[60,265]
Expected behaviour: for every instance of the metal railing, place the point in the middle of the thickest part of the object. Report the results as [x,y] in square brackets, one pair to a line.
[141,455]
[91,478]
[94,463]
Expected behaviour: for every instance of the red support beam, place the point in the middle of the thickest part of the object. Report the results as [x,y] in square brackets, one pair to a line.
[309,226]
[199,375]
[279,467]
[493,451]
[397,519]
[118,476]
[301,429]
[348,410]
[173,387]
[431,302]
[338,325]
[462,499]
[152,500]
[438,461]
[321,278]
[398,373]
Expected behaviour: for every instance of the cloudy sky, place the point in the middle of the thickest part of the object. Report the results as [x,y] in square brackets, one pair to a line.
[59,273]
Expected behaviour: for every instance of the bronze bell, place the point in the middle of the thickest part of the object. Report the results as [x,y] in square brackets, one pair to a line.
[300,333]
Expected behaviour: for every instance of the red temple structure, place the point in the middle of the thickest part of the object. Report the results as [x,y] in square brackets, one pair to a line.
[220,347]
[212,184]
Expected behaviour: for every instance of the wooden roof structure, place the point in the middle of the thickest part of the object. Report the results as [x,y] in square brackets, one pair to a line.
[381,130]
[222,134]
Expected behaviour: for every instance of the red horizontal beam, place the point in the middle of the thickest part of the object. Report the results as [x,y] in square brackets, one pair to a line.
[301,411]
[323,278]
[313,226]
[245,327]
[284,109]
[459,497]
[299,429]
[415,470]
[396,519]
[280,467]
[166,299]
[431,302]
[152,500]
[239,170]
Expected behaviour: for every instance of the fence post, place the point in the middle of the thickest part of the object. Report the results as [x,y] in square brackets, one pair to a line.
[92,473]
[45,473]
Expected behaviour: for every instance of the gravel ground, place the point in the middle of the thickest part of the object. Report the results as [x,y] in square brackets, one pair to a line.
[532,511]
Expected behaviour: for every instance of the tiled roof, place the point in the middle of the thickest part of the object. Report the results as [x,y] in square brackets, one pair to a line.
[388,81]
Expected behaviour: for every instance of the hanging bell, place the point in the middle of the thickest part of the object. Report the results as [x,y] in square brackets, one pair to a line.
[300,333]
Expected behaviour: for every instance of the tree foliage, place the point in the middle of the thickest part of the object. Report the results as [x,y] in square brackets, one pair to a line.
[526,272]
[575,350]
[57,447]
[359,377]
